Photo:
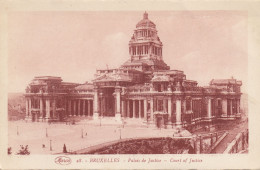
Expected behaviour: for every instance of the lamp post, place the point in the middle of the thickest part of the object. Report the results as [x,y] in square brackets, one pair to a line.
[17,132]
[120,133]
[50,146]
[46,133]
[81,133]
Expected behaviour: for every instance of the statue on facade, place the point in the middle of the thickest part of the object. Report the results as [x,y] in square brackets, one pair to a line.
[123,91]
[151,87]
[28,89]
[169,88]
[41,90]
[178,86]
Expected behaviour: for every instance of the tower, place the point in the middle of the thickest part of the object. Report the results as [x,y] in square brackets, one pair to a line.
[145,47]
[145,43]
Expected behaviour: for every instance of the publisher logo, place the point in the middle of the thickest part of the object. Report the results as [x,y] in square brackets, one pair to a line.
[63,160]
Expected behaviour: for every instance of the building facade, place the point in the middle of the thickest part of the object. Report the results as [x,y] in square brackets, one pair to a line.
[143,88]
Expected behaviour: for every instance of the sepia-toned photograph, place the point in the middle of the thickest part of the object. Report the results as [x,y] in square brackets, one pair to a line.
[127,82]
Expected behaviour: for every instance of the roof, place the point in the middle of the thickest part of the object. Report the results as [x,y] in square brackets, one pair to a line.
[113,77]
[139,86]
[169,72]
[47,78]
[145,22]
[85,87]
[145,62]
[160,78]
[225,82]
[69,84]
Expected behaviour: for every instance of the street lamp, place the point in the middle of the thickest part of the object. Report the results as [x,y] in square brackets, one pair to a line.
[81,133]
[123,122]
[46,133]
[120,134]
[50,146]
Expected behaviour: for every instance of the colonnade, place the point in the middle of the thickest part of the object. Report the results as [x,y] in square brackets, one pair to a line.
[142,108]
[145,49]
[43,111]
[46,108]
[145,108]
[230,106]
[80,107]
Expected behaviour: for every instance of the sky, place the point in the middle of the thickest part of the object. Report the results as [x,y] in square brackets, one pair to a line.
[206,45]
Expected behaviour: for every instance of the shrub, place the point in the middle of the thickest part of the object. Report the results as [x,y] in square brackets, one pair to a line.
[23,150]
[9,151]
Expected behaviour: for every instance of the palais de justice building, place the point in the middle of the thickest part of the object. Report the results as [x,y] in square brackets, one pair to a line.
[143,88]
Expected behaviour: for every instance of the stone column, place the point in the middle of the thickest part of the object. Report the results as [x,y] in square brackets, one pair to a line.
[65,106]
[164,105]
[104,105]
[145,109]
[128,108]
[169,108]
[69,107]
[133,108]
[74,105]
[200,107]
[231,106]
[41,108]
[178,112]
[238,106]
[79,111]
[195,108]
[101,105]
[95,105]
[118,102]
[224,107]
[54,109]
[30,108]
[209,108]
[47,109]
[184,105]
[123,108]
[27,107]
[84,108]
[89,107]
[140,109]
[151,112]
[191,105]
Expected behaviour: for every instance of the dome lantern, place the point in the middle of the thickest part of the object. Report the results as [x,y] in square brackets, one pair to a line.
[145,15]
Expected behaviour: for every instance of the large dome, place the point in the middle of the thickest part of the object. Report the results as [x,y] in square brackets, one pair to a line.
[145,22]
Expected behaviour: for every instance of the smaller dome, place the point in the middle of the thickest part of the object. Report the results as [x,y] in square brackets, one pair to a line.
[145,22]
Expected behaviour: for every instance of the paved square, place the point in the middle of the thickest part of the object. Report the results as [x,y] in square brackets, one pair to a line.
[34,135]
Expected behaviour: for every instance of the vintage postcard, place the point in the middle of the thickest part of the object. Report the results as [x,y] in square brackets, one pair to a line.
[110,85]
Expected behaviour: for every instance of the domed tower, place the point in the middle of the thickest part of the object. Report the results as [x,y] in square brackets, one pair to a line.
[145,47]
[145,43]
